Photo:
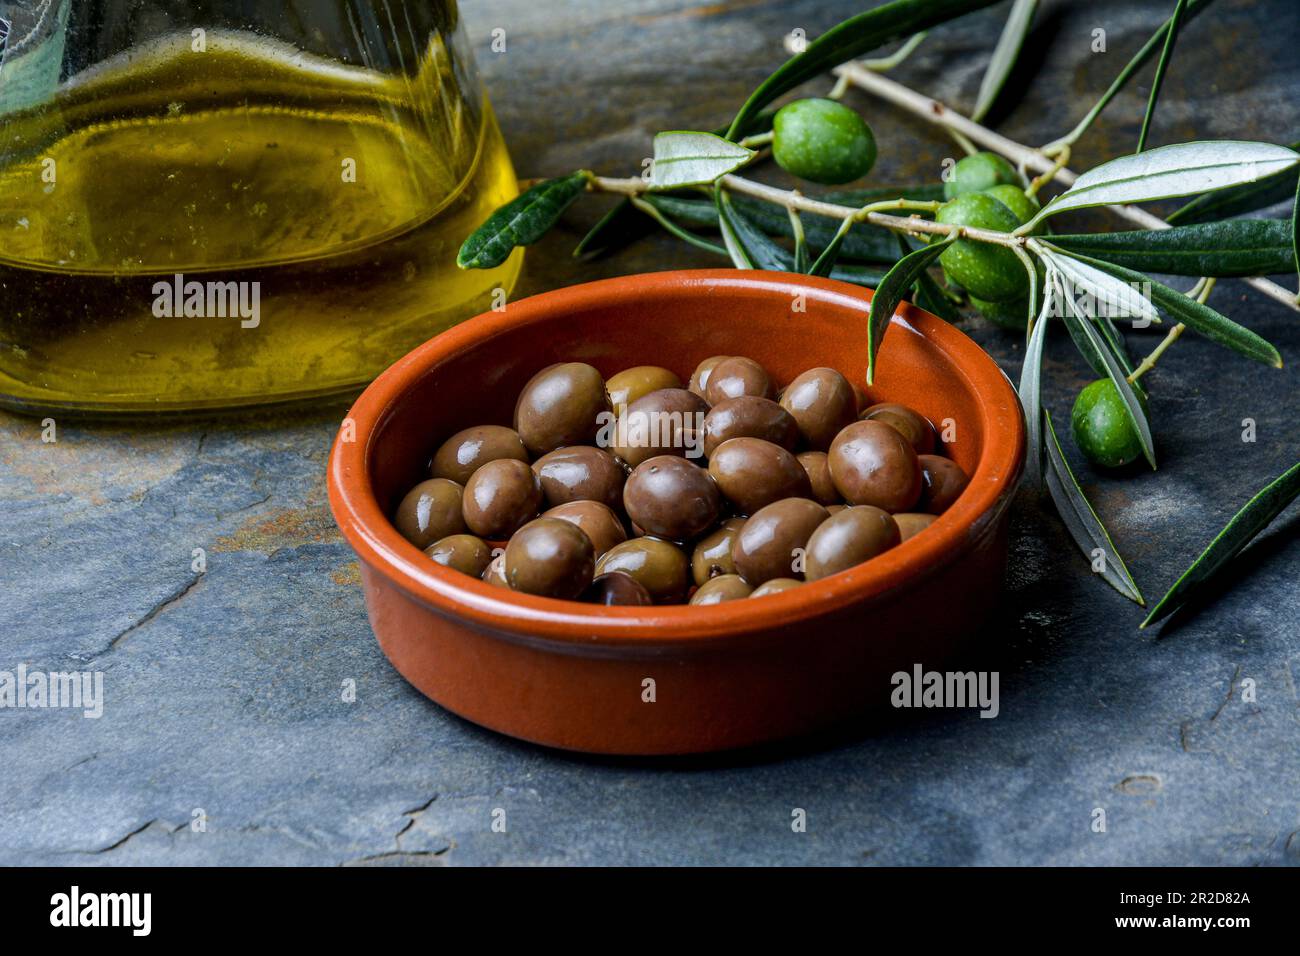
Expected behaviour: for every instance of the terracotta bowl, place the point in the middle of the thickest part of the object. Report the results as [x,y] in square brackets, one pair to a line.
[744,672]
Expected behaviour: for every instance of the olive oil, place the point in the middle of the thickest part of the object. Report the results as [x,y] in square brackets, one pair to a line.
[240,225]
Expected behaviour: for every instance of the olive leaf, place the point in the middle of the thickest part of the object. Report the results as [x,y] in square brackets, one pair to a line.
[1118,298]
[1233,247]
[671,227]
[1031,376]
[800,241]
[748,246]
[1257,515]
[891,291]
[687,158]
[1081,520]
[924,192]
[1168,171]
[1295,229]
[848,40]
[1235,200]
[858,275]
[1004,56]
[1171,37]
[826,261]
[623,224]
[932,298]
[521,222]
[1197,316]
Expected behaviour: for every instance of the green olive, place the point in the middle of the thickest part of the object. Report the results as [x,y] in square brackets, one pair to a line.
[1024,207]
[978,172]
[1008,315]
[822,141]
[1101,425]
[985,270]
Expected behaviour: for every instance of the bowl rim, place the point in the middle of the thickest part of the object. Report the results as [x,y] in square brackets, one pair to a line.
[377,543]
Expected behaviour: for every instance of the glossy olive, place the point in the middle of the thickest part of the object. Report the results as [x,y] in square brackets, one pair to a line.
[942,482]
[431,510]
[749,416]
[736,376]
[712,554]
[671,498]
[667,422]
[580,473]
[767,545]
[616,589]
[495,573]
[501,497]
[817,466]
[559,406]
[912,523]
[822,141]
[550,558]
[912,425]
[873,464]
[700,377]
[466,451]
[660,566]
[631,383]
[726,587]
[843,540]
[461,552]
[598,521]
[752,473]
[775,586]
[821,401]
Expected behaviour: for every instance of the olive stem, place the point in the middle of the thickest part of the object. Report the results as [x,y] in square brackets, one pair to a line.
[884,63]
[757,140]
[1200,292]
[1046,177]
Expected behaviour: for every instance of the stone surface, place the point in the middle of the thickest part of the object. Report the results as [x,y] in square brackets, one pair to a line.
[224,690]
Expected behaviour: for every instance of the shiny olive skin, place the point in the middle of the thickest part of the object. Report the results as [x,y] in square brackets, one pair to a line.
[700,377]
[631,383]
[580,473]
[817,466]
[712,554]
[823,141]
[978,172]
[749,416]
[616,589]
[671,498]
[942,482]
[846,539]
[501,497]
[752,473]
[775,586]
[726,587]
[461,552]
[559,406]
[660,566]
[665,422]
[495,574]
[912,523]
[822,402]
[550,558]
[736,376]
[912,425]
[466,451]
[873,464]
[429,511]
[766,546]
[597,521]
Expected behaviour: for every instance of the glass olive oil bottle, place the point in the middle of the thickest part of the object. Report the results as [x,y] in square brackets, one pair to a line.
[218,217]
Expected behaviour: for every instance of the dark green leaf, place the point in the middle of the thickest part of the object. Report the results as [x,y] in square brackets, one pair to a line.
[801,263]
[826,261]
[858,275]
[1236,200]
[619,227]
[748,246]
[931,298]
[1257,515]
[672,228]
[891,291]
[1031,375]
[521,222]
[1171,37]
[848,40]
[1080,520]
[1004,55]
[927,192]
[1234,247]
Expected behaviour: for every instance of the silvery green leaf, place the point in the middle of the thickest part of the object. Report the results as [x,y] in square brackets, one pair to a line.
[1004,55]
[1119,298]
[1178,170]
[685,158]
[1031,382]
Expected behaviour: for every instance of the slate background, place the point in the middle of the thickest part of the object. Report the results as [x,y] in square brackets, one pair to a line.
[224,689]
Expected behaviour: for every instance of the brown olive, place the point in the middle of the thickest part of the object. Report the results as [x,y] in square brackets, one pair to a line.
[749,417]
[836,509]
[712,555]
[461,552]
[466,451]
[726,587]
[597,521]
[431,510]
[631,383]
[818,468]
[495,574]
[768,545]
[774,586]
[848,538]
[660,566]
[501,497]
[667,422]
[700,377]
[911,523]
[752,473]
[580,473]
[560,406]
[821,401]
[912,425]
[550,558]
[736,376]
[872,464]
[942,481]
[671,498]
[616,589]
